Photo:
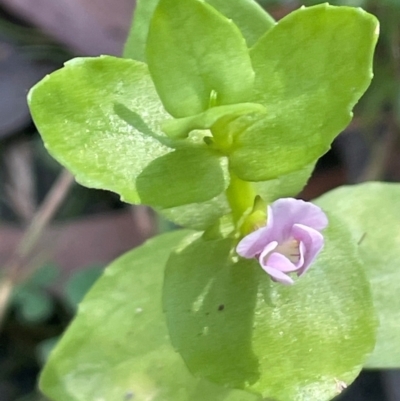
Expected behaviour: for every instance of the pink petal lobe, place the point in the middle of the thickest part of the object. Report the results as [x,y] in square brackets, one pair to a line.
[313,242]
[289,211]
[277,275]
[279,262]
[302,250]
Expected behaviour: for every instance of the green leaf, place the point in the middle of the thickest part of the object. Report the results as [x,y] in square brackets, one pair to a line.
[287,185]
[117,348]
[33,305]
[136,42]
[371,211]
[182,177]
[32,299]
[198,216]
[311,69]
[250,18]
[44,276]
[201,216]
[234,326]
[106,129]
[76,111]
[352,3]
[194,51]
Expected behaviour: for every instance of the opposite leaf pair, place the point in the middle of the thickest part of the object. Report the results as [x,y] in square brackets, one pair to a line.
[307,73]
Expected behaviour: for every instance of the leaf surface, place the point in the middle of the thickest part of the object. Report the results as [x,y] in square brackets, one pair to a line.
[250,18]
[117,348]
[135,45]
[192,52]
[81,113]
[371,211]
[105,128]
[311,69]
[201,216]
[185,176]
[234,326]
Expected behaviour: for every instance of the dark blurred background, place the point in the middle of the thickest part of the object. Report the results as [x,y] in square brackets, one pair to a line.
[92,227]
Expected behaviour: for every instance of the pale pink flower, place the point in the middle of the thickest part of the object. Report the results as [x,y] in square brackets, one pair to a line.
[289,242]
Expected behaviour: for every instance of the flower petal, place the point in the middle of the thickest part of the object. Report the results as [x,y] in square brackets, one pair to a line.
[279,276]
[267,250]
[253,244]
[289,211]
[278,262]
[302,251]
[313,243]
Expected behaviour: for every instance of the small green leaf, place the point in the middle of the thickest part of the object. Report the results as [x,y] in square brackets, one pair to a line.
[117,348]
[371,211]
[33,305]
[185,176]
[198,216]
[201,216]
[44,276]
[311,69]
[250,18]
[234,326]
[84,114]
[352,3]
[135,45]
[192,51]
[287,185]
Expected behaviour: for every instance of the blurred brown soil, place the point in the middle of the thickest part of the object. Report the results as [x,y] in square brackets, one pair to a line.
[96,239]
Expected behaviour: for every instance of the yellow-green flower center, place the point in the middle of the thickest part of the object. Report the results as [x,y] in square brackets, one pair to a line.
[290,249]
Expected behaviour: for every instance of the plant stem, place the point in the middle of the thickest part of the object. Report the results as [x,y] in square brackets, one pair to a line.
[31,236]
[240,195]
